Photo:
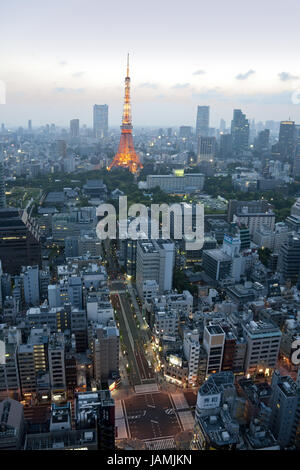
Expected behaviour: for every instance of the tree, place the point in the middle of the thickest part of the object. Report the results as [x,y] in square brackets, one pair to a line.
[264,255]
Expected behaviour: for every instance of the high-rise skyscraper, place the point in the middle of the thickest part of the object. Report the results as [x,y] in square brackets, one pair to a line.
[155,262]
[100,120]
[106,353]
[222,125]
[289,258]
[74,128]
[29,125]
[31,286]
[206,149]
[2,185]
[225,145]
[240,132]
[56,358]
[126,156]
[202,123]
[287,140]
[285,405]
[19,240]
[61,148]
[262,141]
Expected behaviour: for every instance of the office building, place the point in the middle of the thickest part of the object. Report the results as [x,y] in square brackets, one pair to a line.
[255,221]
[27,371]
[150,290]
[56,358]
[287,140]
[179,182]
[74,128]
[240,132]
[293,223]
[2,185]
[259,437]
[60,418]
[11,425]
[9,374]
[38,340]
[262,142]
[216,264]
[97,410]
[53,318]
[285,405]
[166,323]
[67,290]
[106,353]
[217,431]
[206,149]
[289,258]
[100,120]
[250,207]
[267,238]
[263,343]
[295,209]
[213,342]
[202,122]
[61,148]
[231,247]
[185,132]
[19,240]
[155,261]
[31,286]
[225,150]
[62,440]
[191,349]
[210,395]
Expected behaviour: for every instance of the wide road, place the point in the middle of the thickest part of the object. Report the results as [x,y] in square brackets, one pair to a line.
[146,373]
[127,341]
[131,322]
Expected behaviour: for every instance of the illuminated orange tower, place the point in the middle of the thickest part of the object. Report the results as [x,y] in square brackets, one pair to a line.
[126,156]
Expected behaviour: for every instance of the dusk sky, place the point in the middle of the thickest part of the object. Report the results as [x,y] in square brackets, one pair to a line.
[60,57]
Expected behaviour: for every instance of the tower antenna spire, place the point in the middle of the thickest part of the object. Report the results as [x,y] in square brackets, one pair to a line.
[126,156]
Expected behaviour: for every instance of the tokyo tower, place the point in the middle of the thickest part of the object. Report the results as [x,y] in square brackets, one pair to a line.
[126,156]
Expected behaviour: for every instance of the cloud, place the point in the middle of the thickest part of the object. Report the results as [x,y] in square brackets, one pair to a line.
[62,63]
[221,95]
[68,90]
[281,98]
[210,94]
[245,76]
[78,74]
[181,85]
[154,86]
[285,76]
[199,72]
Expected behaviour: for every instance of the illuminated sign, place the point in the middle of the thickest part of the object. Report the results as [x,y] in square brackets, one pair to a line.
[175,360]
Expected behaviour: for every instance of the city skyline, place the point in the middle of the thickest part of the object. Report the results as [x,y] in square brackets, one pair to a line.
[149,229]
[216,63]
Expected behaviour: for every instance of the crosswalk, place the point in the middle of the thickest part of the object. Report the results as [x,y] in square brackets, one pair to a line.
[179,401]
[169,411]
[161,444]
[146,388]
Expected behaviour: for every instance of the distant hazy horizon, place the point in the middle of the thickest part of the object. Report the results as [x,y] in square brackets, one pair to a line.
[58,59]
